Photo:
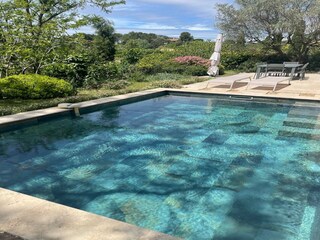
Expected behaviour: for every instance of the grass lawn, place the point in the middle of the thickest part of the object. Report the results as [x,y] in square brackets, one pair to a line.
[159,80]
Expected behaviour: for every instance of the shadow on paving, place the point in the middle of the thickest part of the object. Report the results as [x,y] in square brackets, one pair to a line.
[8,236]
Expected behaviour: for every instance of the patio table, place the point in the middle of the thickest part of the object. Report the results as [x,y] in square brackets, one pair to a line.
[293,67]
[277,66]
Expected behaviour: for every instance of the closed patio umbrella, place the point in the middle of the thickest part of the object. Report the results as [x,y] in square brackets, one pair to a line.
[215,57]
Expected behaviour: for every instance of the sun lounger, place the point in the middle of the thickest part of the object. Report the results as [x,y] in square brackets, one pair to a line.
[228,80]
[268,82]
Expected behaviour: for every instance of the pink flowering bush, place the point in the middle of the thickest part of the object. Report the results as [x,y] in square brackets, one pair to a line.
[193,60]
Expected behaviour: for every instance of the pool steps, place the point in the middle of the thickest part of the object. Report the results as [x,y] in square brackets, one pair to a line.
[300,122]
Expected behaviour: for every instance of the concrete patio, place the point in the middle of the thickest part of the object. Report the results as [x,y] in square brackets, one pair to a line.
[309,88]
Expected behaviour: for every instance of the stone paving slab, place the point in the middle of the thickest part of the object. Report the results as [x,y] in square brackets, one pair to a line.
[307,89]
[36,219]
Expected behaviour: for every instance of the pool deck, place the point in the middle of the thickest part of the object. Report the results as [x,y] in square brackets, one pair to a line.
[33,218]
[307,89]
[36,219]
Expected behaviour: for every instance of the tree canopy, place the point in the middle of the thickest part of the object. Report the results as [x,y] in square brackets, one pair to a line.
[185,37]
[289,27]
[33,32]
[152,40]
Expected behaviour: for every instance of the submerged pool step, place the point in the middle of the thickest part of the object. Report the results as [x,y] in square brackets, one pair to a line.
[309,113]
[304,135]
[301,124]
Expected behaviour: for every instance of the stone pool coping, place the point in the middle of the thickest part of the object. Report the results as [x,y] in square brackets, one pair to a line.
[37,219]
[11,122]
[34,218]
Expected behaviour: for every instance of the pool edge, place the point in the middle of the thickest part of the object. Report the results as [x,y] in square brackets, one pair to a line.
[24,119]
[12,122]
[33,218]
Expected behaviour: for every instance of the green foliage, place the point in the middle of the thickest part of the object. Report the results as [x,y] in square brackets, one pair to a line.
[136,76]
[185,37]
[234,59]
[133,55]
[153,63]
[33,34]
[314,60]
[195,48]
[166,84]
[104,40]
[196,70]
[74,69]
[153,41]
[274,24]
[117,85]
[137,43]
[34,86]
[100,73]
[166,76]
[222,69]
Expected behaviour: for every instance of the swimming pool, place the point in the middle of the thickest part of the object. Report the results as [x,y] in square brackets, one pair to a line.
[193,167]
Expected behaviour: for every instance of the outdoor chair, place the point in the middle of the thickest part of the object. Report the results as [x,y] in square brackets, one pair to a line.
[268,82]
[261,69]
[301,71]
[275,69]
[229,80]
[287,71]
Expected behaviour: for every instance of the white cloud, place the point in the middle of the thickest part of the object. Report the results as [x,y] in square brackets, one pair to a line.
[154,26]
[127,23]
[202,6]
[198,27]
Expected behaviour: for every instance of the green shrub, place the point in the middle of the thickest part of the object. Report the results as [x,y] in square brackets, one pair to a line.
[155,62]
[34,86]
[196,48]
[314,60]
[165,76]
[221,69]
[74,70]
[136,76]
[166,84]
[170,66]
[100,73]
[133,55]
[194,70]
[249,65]
[117,85]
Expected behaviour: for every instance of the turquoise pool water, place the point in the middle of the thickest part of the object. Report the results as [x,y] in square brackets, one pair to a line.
[193,167]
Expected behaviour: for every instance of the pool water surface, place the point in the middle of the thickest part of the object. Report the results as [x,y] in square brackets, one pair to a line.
[192,167]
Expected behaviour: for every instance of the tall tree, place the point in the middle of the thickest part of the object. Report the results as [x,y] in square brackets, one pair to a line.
[104,40]
[295,23]
[185,37]
[32,32]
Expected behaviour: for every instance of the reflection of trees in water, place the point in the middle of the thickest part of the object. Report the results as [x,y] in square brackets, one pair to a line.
[44,135]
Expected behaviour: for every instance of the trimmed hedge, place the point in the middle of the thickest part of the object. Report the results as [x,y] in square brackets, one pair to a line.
[34,86]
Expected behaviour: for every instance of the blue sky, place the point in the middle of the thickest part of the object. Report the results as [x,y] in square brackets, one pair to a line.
[166,17]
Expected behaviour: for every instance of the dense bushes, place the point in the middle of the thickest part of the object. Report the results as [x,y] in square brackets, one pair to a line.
[98,74]
[73,69]
[34,87]
[192,60]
